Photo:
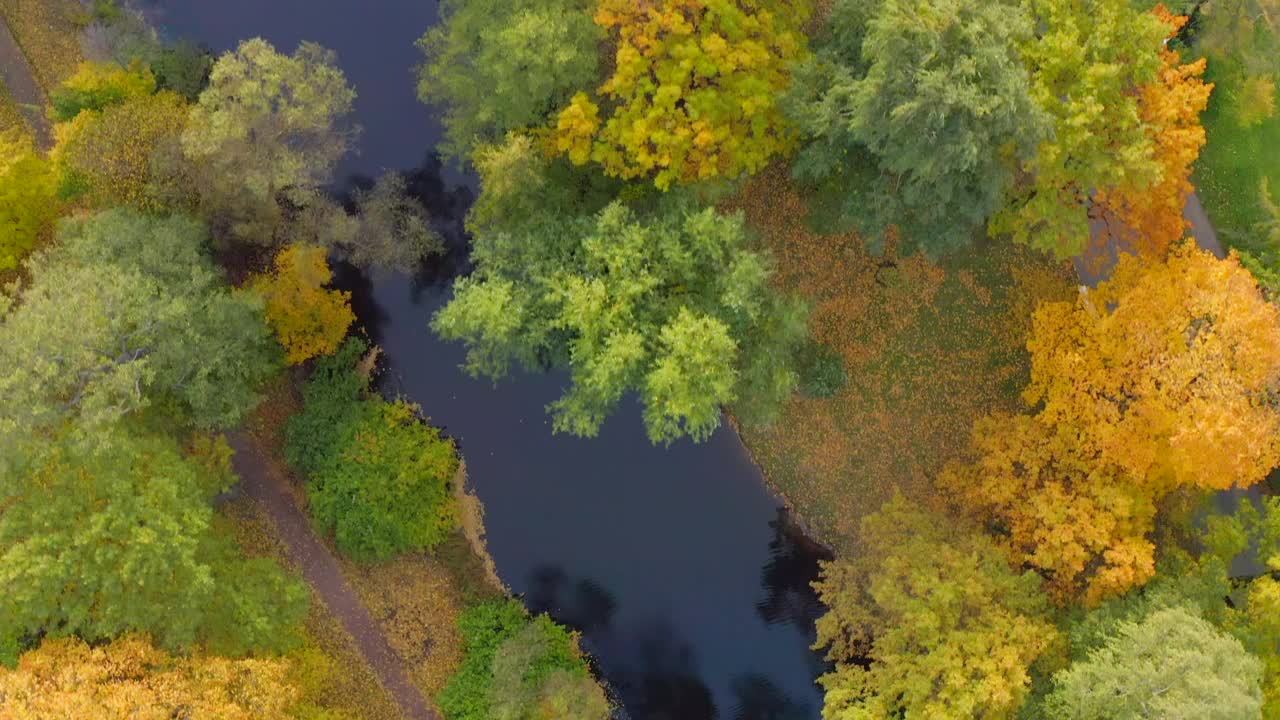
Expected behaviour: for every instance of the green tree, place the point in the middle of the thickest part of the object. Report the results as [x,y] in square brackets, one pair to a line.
[950,630]
[529,56]
[1087,59]
[266,123]
[918,110]
[671,304]
[1171,665]
[111,534]
[1242,40]
[129,311]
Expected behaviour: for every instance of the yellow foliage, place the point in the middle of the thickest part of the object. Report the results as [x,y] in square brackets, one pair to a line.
[130,679]
[308,319]
[97,85]
[694,91]
[1170,110]
[28,198]
[1162,378]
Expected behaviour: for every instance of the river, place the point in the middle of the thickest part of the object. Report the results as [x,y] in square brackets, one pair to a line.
[678,564]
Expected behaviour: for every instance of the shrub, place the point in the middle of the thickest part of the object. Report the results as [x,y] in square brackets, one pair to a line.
[95,86]
[821,369]
[330,398]
[28,206]
[183,68]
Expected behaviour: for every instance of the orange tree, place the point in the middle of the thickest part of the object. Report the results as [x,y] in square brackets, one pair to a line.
[1163,378]
[308,319]
[693,95]
[1170,109]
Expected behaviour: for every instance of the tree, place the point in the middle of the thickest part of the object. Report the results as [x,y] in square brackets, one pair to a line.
[1160,379]
[1170,109]
[109,156]
[693,95]
[1086,62]
[1171,665]
[129,311]
[308,319]
[918,110]
[129,679]
[266,123]
[28,198]
[111,534]
[671,304]
[528,55]
[948,628]
[1243,39]
[96,86]
[394,231]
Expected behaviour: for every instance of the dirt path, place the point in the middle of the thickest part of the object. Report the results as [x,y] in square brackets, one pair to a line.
[322,571]
[24,88]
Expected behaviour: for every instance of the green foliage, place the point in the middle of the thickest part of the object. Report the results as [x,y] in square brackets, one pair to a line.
[1242,40]
[529,56]
[821,370]
[129,311]
[28,202]
[266,123]
[96,86]
[918,110]
[517,668]
[111,534]
[183,68]
[379,478]
[670,303]
[1171,665]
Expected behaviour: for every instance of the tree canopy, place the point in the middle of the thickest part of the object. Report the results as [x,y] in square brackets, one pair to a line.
[308,318]
[670,304]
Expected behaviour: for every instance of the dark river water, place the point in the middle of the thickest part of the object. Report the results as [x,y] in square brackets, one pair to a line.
[678,564]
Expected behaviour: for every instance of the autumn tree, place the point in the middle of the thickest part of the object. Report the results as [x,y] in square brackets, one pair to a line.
[129,679]
[1150,218]
[918,111]
[96,86]
[530,56]
[1162,378]
[308,319]
[266,123]
[669,303]
[112,534]
[28,198]
[948,628]
[1171,665]
[108,157]
[129,311]
[1086,62]
[694,90]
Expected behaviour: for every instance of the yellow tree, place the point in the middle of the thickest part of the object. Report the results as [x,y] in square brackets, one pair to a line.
[693,95]
[130,679]
[1163,378]
[1170,110]
[949,628]
[308,319]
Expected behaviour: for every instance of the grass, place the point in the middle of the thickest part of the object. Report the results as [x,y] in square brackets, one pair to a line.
[49,33]
[928,349]
[1233,162]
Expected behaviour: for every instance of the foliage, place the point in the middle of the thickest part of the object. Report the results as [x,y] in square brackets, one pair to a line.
[388,491]
[394,231]
[308,319]
[266,123]
[1171,665]
[183,68]
[1243,37]
[949,629]
[96,86]
[1160,379]
[918,110]
[528,55]
[671,304]
[314,437]
[111,534]
[129,678]
[128,311]
[516,668]
[111,154]
[693,95]
[1170,109]
[28,198]
[1084,66]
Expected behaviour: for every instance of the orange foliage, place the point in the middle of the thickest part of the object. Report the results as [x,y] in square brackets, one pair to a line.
[1163,378]
[1170,109]
[129,678]
[308,319]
